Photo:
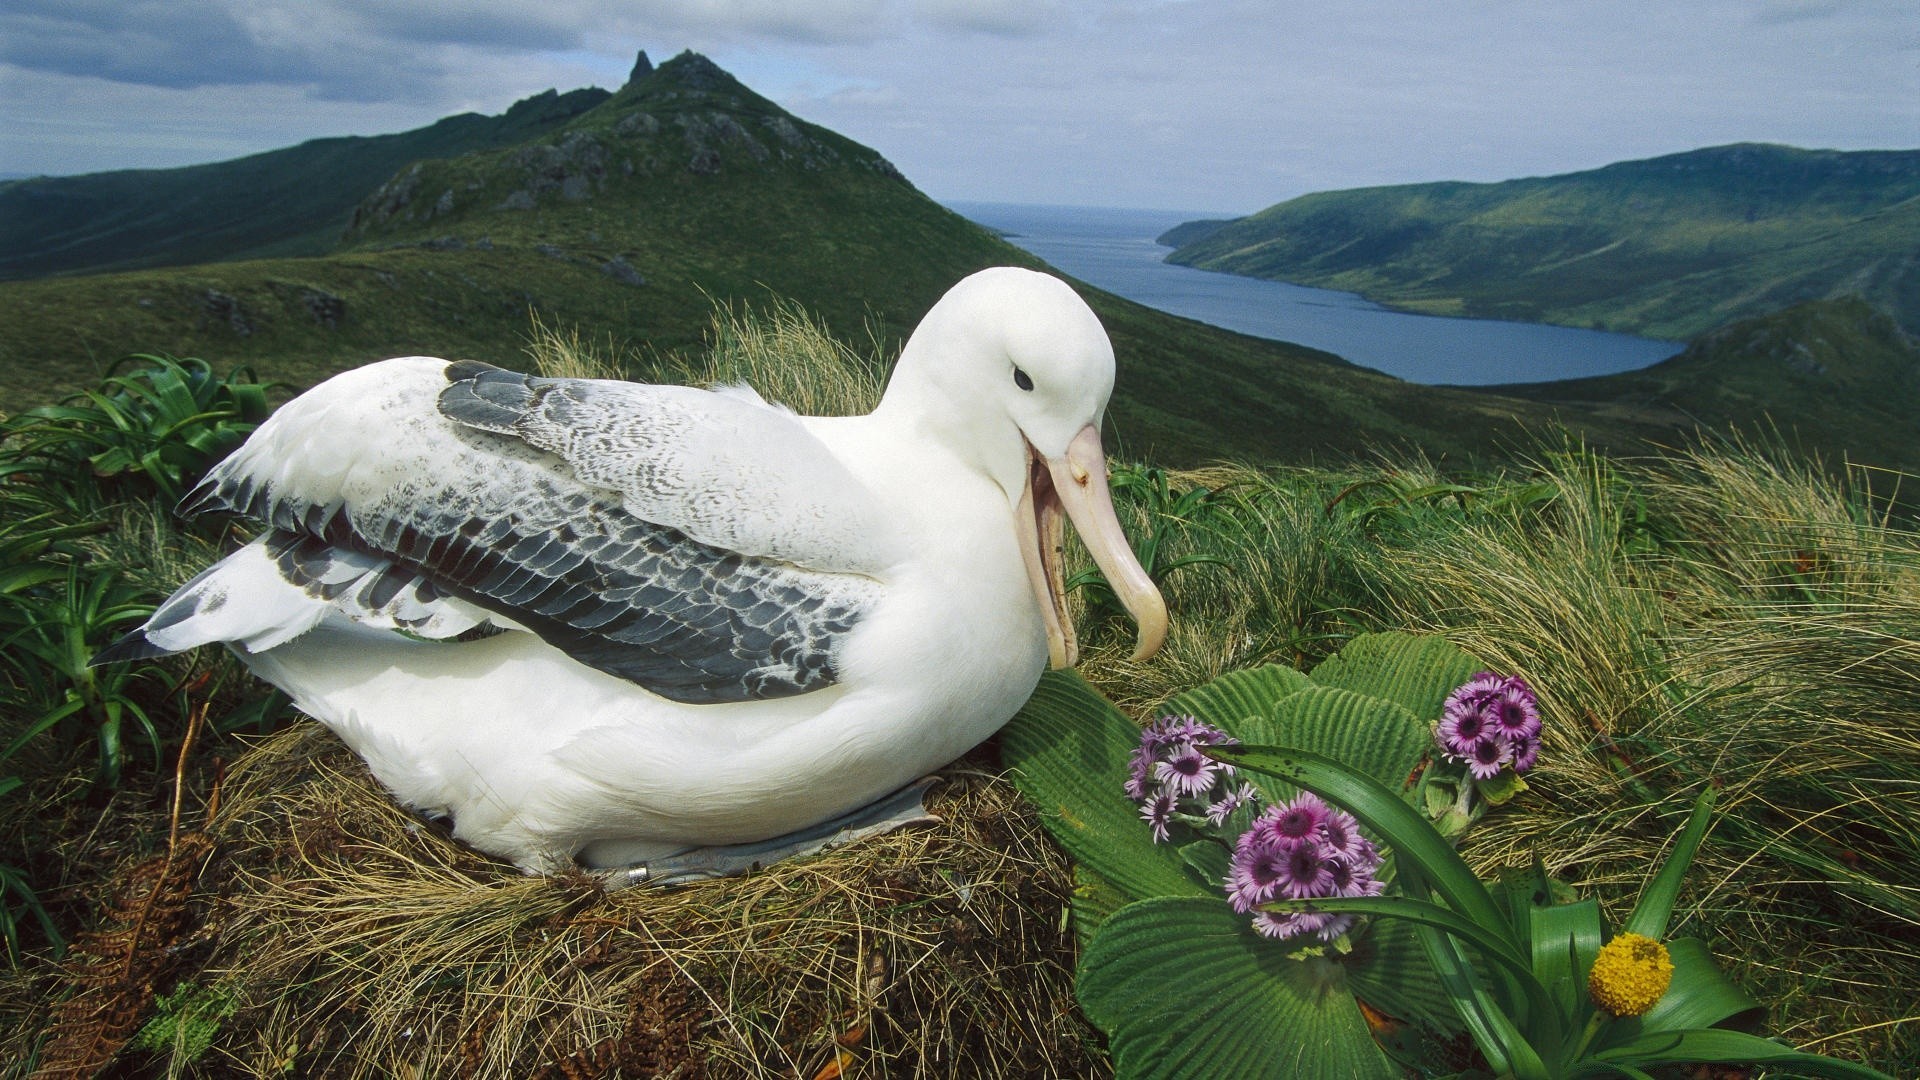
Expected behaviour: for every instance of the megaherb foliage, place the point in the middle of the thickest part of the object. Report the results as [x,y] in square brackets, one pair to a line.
[75,478]
[1185,987]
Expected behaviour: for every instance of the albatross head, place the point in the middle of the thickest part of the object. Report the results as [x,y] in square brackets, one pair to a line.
[1012,370]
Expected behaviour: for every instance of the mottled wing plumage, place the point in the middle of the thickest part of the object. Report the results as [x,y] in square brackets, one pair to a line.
[725,470]
[502,510]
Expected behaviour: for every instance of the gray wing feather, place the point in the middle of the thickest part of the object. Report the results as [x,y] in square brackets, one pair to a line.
[508,528]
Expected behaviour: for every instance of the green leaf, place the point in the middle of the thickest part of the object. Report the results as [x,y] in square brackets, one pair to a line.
[1184,988]
[1651,914]
[1067,750]
[1416,670]
[1495,945]
[1717,1046]
[1501,788]
[1563,940]
[1370,735]
[1389,970]
[1233,700]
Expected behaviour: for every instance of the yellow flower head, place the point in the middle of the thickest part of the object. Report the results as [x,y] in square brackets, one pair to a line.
[1630,975]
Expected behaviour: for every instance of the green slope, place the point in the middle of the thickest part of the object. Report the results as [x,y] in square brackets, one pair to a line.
[1669,247]
[294,201]
[633,219]
[1834,376]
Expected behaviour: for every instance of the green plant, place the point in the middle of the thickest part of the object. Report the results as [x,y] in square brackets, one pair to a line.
[1185,987]
[185,1022]
[164,421]
[1180,982]
[50,639]
[1534,1017]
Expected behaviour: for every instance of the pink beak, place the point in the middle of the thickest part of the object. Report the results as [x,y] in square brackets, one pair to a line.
[1076,482]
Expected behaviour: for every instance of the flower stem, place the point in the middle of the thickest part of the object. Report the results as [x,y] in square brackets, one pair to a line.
[1594,1024]
[1463,800]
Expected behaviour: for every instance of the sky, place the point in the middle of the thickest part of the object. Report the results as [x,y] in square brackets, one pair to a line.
[1216,106]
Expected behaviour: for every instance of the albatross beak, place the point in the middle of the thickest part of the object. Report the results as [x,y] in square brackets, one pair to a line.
[1077,483]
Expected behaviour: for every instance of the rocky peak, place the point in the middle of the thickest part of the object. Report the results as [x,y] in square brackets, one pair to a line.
[642,67]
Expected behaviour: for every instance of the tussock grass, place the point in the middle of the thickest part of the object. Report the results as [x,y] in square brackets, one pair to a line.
[1726,614]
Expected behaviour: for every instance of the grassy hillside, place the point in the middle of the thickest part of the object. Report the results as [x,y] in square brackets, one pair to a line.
[632,220]
[1834,376]
[1669,247]
[294,201]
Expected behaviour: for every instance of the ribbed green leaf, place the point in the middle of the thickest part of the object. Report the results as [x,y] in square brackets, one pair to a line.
[1372,735]
[1067,750]
[1416,670]
[1094,898]
[1389,971]
[1184,989]
[1231,700]
[1716,1046]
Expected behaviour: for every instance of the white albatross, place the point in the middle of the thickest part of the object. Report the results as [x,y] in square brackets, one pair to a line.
[610,622]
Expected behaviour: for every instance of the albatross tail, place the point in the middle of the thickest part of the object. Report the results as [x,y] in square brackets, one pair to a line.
[242,599]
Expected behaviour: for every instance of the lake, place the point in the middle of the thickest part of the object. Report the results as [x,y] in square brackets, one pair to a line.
[1115,250]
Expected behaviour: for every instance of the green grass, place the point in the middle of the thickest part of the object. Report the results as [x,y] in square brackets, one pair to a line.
[1669,247]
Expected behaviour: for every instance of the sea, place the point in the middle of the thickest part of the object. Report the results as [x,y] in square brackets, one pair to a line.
[1115,250]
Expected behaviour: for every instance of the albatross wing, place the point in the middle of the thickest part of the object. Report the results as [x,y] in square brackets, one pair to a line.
[704,546]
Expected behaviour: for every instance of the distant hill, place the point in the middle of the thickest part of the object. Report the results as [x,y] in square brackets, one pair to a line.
[294,201]
[1835,376]
[1668,247]
[631,220]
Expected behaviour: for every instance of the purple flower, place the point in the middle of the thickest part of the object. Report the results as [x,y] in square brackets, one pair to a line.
[1158,813]
[1526,752]
[1295,823]
[1173,779]
[1306,874]
[1254,875]
[1486,757]
[1516,713]
[1301,850]
[1218,813]
[1461,725]
[1186,771]
[1340,837]
[1489,722]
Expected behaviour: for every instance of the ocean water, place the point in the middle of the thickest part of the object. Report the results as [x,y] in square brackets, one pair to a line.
[1115,250]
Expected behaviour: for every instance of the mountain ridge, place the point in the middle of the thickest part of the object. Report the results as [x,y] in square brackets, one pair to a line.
[290,201]
[1671,246]
[632,219]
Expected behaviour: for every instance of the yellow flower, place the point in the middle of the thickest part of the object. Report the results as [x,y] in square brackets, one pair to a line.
[1630,975]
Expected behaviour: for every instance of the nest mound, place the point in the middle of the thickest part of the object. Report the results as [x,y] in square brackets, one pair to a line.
[351,939]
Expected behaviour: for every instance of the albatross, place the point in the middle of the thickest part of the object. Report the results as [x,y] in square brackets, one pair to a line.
[606,623]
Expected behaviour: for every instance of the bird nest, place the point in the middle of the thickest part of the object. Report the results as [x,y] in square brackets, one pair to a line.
[348,938]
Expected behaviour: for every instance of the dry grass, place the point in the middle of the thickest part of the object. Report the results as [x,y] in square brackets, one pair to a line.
[361,943]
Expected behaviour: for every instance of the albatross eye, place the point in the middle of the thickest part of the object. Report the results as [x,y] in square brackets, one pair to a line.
[1022,380]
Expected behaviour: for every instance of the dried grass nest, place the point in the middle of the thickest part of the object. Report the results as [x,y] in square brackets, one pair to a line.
[356,940]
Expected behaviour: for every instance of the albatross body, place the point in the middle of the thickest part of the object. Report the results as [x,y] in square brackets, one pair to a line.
[608,621]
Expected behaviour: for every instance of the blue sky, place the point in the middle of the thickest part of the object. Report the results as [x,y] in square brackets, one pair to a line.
[1203,105]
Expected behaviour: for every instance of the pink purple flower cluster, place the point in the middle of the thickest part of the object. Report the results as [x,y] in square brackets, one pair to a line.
[1490,722]
[1301,850]
[1170,778]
